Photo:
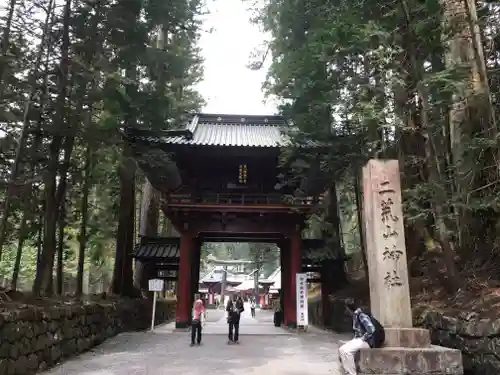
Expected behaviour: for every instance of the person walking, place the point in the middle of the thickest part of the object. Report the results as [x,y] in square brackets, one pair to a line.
[197,322]
[234,309]
[252,308]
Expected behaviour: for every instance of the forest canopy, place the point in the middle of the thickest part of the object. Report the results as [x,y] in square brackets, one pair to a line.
[73,73]
[409,80]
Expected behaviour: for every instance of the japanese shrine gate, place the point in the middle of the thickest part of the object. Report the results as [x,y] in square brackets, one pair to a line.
[216,181]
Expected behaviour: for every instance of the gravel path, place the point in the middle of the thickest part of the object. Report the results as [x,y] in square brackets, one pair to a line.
[264,349]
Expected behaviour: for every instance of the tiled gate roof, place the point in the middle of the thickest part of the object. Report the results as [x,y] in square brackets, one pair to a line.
[159,248]
[226,130]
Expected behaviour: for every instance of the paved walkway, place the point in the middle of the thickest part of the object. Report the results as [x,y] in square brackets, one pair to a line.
[264,349]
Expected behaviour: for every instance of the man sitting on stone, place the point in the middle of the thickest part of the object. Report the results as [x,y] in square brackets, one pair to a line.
[366,335]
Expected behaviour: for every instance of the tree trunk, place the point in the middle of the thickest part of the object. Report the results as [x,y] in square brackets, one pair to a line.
[83,84]
[29,196]
[60,252]
[149,211]
[26,126]
[42,284]
[84,206]
[361,227]
[138,208]
[123,273]
[476,174]
[39,243]
[333,218]
[480,61]
[6,44]
[60,198]
[433,160]
[148,227]
[20,244]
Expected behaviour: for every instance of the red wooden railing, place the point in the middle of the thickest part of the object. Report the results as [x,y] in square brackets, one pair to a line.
[242,199]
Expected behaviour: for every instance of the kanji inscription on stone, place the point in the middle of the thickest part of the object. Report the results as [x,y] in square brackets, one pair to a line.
[385,187]
[392,253]
[385,243]
[392,279]
[387,215]
[390,232]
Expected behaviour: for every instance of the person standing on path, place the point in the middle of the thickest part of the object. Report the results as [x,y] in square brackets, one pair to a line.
[197,321]
[278,314]
[252,308]
[234,309]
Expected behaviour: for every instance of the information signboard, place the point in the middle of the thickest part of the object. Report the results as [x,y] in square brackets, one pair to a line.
[302,309]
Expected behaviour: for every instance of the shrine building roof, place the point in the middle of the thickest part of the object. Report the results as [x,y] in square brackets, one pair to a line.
[159,248]
[224,130]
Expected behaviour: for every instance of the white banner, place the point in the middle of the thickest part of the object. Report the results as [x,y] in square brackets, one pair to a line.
[302,310]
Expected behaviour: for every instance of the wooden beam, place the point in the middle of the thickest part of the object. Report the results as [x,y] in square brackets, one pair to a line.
[237,237]
[314,280]
[254,208]
[314,268]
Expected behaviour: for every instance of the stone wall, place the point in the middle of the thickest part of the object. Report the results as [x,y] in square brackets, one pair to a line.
[35,338]
[478,339]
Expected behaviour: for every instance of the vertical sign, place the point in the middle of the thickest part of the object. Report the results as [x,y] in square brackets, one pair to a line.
[155,286]
[302,313]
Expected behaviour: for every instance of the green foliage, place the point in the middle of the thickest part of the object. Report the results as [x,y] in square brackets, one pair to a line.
[118,75]
[28,264]
[378,79]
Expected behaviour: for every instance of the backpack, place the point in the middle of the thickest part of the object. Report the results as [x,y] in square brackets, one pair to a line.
[378,337]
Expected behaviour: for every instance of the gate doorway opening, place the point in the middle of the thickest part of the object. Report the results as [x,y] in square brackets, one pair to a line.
[234,269]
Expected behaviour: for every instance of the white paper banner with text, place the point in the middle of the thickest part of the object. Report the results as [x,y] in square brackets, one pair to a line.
[302,313]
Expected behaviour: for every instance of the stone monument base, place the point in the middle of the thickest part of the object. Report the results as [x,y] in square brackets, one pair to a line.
[433,360]
[407,337]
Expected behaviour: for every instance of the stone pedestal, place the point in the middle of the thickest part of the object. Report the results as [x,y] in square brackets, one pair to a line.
[407,337]
[407,350]
[434,360]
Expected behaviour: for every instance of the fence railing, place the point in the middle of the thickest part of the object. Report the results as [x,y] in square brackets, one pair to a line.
[242,199]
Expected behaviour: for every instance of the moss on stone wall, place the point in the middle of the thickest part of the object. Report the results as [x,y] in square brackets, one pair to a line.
[34,338]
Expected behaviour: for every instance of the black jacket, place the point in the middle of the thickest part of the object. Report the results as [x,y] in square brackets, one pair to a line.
[234,310]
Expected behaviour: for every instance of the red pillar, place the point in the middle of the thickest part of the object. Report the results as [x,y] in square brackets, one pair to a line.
[285,282]
[281,290]
[325,292]
[183,309]
[295,263]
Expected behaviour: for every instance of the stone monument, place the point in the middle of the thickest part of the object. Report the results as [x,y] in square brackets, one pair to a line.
[407,350]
